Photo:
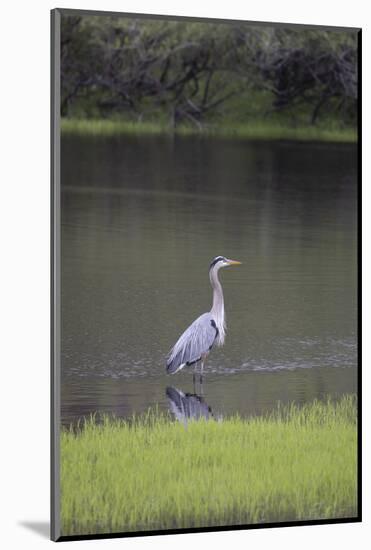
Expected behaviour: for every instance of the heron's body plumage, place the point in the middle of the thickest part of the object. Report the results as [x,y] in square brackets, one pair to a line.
[195,342]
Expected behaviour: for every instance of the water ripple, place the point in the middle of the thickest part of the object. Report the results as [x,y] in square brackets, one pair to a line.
[283,355]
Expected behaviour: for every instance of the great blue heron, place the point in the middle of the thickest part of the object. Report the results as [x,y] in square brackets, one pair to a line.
[197,340]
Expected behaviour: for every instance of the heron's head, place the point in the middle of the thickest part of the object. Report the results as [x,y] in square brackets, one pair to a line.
[221,261]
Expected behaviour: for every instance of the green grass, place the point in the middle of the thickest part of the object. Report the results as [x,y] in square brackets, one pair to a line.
[152,473]
[263,130]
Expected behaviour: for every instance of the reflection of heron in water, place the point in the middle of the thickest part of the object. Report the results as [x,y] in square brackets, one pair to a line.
[188,406]
[197,340]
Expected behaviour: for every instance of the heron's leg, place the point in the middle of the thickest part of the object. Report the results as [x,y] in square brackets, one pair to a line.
[201,375]
[194,377]
[201,384]
[203,360]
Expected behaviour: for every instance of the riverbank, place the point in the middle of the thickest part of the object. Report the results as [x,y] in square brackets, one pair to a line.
[262,130]
[152,473]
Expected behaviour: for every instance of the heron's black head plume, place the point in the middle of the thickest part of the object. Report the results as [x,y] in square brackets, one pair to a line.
[216,260]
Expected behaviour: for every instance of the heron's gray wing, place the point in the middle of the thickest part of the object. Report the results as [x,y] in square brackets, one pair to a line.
[195,341]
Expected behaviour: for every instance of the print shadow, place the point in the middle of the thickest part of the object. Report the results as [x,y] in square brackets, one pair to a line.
[42,528]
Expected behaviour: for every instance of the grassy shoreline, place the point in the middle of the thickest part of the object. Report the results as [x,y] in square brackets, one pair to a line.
[254,131]
[152,473]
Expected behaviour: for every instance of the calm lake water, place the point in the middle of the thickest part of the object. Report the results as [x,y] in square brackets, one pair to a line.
[141,220]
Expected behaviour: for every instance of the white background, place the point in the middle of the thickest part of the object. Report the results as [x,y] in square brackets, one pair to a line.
[24,272]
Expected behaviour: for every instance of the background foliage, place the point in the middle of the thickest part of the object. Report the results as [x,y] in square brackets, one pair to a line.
[196,72]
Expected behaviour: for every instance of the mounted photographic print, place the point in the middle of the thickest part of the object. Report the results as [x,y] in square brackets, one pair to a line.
[205,215]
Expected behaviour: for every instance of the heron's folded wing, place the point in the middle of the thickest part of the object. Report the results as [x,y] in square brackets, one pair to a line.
[197,340]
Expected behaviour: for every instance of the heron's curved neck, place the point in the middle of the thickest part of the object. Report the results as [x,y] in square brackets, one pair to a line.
[217,309]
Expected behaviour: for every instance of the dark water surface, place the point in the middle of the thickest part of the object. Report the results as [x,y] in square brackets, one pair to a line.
[141,220]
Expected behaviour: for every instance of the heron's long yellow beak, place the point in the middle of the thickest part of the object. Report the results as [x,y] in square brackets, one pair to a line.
[234,262]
